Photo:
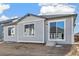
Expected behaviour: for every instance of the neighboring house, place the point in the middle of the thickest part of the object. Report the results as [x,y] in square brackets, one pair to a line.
[47,29]
[76,36]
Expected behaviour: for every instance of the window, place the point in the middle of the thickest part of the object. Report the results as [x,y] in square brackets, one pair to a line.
[29,29]
[11,31]
[56,30]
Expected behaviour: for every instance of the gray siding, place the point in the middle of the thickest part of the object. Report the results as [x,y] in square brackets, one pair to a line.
[68,31]
[1,33]
[41,31]
[9,38]
[38,28]
[19,31]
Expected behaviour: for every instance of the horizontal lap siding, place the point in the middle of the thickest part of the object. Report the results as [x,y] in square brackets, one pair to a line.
[68,28]
[38,28]
[9,38]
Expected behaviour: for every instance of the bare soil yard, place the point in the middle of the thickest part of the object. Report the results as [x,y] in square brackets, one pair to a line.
[25,49]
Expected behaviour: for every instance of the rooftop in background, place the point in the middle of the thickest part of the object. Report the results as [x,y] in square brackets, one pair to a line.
[8,21]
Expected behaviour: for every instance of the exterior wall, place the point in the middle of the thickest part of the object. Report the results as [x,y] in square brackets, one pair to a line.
[41,31]
[1,32]
[9,38]
[68,31]
[38,28]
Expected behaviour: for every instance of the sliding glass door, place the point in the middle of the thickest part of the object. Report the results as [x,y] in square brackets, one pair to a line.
[56,30]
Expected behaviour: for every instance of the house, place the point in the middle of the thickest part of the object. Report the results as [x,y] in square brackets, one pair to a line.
[48,29]
[76,37]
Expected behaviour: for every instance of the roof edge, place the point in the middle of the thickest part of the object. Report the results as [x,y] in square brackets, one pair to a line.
[29,14]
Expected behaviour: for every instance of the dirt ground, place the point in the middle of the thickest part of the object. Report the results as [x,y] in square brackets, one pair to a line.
[25,49]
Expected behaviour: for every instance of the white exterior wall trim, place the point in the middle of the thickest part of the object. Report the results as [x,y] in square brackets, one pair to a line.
[73,41]
[43,32]
[30,41]
[3,33]
[17,33]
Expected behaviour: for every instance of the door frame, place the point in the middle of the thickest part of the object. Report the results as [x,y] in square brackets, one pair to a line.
[57,20]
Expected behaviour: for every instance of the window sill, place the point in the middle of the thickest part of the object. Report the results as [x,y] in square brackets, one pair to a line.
[29,36]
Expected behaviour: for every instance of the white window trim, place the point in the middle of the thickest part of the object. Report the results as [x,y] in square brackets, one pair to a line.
[25,32]
[15,30]
[58,20]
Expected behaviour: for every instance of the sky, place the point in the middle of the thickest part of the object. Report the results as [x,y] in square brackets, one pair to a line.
[14,10]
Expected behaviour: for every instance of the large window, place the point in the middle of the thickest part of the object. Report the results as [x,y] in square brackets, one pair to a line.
[11,31]
[29,29]
[56,30]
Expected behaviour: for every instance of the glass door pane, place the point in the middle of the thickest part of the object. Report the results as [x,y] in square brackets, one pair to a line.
[53,30]
[60,30]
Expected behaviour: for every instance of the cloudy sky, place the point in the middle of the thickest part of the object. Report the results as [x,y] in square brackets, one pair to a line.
[14,10]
